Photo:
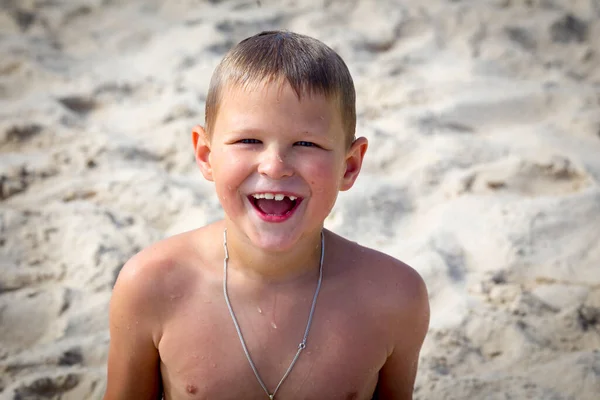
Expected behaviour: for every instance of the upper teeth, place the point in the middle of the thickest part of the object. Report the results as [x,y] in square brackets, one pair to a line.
[272,196]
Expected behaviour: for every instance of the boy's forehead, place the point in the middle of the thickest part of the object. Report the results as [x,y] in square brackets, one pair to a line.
[275,99]
[247,105]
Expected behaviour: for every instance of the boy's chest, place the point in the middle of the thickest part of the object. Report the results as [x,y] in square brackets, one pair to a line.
[202,356]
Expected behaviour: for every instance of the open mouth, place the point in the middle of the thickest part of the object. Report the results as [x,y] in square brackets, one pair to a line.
[275,205]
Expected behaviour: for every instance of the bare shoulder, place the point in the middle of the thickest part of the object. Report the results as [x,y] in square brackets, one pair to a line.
[162,271]
[394,279]
[392,289]
[145,271]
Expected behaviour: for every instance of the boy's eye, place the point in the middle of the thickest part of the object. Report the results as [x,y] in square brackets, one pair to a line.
[306,144]
[249,141]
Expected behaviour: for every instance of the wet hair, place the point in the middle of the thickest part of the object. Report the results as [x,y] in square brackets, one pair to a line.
[308,65]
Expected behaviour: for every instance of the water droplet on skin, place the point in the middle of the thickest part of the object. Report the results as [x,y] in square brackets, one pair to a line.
[259,310]
[214,365]
[273,325]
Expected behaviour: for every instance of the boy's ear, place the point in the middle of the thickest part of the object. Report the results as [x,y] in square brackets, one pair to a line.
[202,151]
[354,160]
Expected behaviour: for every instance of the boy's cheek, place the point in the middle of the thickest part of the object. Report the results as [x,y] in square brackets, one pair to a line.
[325,172]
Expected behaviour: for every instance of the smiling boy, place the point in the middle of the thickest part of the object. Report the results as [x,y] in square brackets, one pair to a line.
[267,303]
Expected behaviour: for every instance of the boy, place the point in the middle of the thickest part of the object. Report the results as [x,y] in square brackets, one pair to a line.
[266,303]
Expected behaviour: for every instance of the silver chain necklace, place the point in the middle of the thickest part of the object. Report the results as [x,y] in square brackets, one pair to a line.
[302,344]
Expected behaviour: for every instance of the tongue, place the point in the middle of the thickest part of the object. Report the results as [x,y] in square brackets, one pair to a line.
[274,207]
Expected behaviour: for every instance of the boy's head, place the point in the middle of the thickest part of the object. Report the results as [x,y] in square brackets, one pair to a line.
[279,138]
[306,64]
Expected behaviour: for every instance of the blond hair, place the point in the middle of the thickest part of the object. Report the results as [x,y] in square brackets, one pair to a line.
[308,65]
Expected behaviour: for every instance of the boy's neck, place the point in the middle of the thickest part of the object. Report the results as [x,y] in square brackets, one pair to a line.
[258,265]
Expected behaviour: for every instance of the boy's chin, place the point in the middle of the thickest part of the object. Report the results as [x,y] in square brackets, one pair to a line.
[274,242]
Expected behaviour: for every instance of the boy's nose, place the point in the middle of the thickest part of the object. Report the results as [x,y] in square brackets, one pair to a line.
[274,164]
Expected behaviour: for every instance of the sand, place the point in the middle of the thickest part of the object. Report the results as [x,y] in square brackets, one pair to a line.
[483,174]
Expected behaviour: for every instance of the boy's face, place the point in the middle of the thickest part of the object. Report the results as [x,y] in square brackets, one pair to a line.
[266,142]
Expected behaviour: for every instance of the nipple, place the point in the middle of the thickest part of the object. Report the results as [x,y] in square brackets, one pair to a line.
[191,389]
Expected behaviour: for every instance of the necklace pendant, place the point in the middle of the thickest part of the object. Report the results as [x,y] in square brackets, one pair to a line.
[271,396]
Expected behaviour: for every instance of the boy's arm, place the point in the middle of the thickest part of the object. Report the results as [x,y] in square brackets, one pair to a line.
[133,359]
[397,376]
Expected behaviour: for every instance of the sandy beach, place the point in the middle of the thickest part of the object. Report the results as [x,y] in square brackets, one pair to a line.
[483,173]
